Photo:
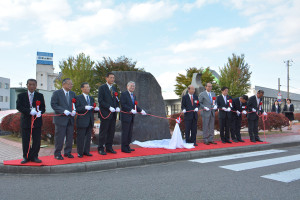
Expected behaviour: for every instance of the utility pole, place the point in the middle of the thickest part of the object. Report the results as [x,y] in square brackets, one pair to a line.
[278,85]
[288,77]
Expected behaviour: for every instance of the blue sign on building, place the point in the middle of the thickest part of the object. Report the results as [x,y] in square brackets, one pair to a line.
[44,58]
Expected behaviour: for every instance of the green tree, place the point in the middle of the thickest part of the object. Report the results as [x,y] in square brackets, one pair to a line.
[206,77]
[122,63]
[236,76]
[79,70]
[183,81]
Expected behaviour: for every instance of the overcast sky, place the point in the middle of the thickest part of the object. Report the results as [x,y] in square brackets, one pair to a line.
[164,37]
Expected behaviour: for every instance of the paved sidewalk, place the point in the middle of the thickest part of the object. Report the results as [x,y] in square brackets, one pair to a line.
[10,150]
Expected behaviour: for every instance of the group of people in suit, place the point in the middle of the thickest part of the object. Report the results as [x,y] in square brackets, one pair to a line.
[230,115]
[288,111]
[66,105]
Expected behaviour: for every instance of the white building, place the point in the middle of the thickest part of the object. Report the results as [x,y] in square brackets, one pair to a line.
[4,93]
[45,75]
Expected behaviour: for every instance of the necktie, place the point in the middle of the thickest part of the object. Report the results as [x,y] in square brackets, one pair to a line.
[30,99]
[132,98]
[88,100]
[210,97]
[111,92]
[67,97]
[192,100]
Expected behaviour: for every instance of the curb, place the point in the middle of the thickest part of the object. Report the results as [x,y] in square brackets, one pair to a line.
[136,161]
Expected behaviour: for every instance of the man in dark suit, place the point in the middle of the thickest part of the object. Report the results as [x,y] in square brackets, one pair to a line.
[190,102]
[61,103]
[128,105]
[254,109]
[109,105]
[27,105]
[224,106]
[85,120]
[238,107]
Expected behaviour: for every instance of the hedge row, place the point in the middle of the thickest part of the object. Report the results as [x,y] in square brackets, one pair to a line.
[273,121]
[12,123]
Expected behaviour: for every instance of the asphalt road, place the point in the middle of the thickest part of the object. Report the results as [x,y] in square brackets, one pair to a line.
[233,177]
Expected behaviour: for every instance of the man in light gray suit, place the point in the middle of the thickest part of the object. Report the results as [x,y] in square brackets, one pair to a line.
[208,114]
[61,103]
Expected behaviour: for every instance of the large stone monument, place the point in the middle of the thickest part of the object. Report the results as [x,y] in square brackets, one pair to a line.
[149,97]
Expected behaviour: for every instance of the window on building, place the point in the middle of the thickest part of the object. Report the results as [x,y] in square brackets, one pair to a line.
[6,86]
[1,98]
[6,99]
[41,84]
[0,85]
[41,74]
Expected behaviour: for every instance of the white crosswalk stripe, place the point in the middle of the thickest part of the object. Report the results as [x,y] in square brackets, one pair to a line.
[236,156]
[285,176]
[262,163]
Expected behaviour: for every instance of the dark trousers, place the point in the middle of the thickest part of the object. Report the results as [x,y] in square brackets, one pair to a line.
[36,142]
[84,139]
[190,130]
[236,128]
[107,133]
[62,132]
[127,127]
[224,128]
[253,129]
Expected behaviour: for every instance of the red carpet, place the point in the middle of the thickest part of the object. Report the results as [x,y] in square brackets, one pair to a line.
[50,160]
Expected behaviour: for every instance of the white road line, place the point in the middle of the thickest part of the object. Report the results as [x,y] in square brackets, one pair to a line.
[285,176]
[262,163]
[236,156]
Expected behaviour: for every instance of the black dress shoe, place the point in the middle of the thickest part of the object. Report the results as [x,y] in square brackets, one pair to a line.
[236,141]
[213,142]
[253,141]
[131,149]
[241,140]
[69,155]
[126,151]
[229,142]
[80,155]
[36,160]
[25,160]
[59,157]
[259,140]
[102,152]
[195,144]
[111,151]
[87,154]
[207,143]
[223,142]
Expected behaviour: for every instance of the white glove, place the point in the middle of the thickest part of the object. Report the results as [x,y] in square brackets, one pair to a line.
[39,114]
[244,112]
[228,109]
[206,108]
[253,110]
[33,112]
[177,121]
[66,112]
[133,111]
[265,114]
[184,110]
[196,109]
[117,109]
[143,112]
[238,113]
[215,107]
[73,113]
[96,109]
[223,108]
[112,109]
[88,107]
